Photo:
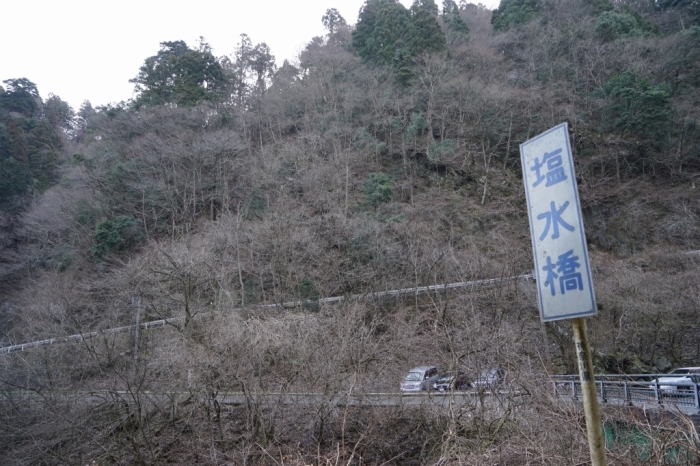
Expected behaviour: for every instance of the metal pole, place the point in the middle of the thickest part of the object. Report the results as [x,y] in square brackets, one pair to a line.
[657,393]
[594,427]
[136,302]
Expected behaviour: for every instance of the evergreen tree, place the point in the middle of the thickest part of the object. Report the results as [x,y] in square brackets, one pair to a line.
[179,75]
[59,113]
[17,142]
[332,20]
[428,5]
[84,115]
[29,144]
[381,31]
[456,27]
[637,107]
[238,70]
[116,235]
[44,146]
[251,70]
[5,142]
[612,25]
[426,34]
[362,35]
[377,189]
[262,63]
[388,34]
[449,7]
[14,181]
[514,12]
[20,96]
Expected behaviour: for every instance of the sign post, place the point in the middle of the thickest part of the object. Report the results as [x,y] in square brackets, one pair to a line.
[562,270]
[590,399]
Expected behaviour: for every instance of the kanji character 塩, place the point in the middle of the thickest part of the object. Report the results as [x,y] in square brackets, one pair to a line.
[555,169]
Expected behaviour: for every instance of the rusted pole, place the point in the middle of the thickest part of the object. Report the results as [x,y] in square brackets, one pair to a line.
[594,428]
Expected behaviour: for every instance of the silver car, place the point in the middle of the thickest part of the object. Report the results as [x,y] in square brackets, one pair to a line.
[679,379]
[419,379]
[490,378]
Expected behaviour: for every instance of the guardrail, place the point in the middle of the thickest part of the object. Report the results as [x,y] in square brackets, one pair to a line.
[376,399]
[290,304]
[634,389]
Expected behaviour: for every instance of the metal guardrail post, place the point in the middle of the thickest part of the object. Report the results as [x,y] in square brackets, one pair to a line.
[657,392]
[697,396]
[626,389]
[573,389]
[603,397]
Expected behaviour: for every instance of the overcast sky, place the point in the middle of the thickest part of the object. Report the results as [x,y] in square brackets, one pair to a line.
[88,50]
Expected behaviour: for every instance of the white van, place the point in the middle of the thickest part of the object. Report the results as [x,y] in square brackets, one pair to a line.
[679,379]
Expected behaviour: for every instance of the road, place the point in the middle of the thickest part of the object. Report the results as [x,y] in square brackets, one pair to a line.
[431,398]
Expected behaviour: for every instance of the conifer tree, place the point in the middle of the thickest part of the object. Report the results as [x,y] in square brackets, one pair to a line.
[513,12]
[20,96]
[59,113]
[332,20]
[179,75]
[382,27]
[456,27]
[17,142]
[426,34]
[388,34]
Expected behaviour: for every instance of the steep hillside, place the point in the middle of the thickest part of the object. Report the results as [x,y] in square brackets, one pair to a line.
[350,172]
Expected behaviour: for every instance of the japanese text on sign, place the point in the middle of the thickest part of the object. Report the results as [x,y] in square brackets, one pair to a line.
[562,270]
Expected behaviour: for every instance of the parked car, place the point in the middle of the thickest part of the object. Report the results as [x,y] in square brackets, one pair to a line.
[452,380]
[682,378]
[419,379]
[490,378]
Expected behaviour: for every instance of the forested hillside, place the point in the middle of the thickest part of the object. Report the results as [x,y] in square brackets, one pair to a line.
[384,156]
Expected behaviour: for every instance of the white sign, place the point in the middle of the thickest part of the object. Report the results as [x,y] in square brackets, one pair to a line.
[562,270]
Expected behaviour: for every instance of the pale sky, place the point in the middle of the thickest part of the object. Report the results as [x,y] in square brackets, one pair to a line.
[89,49]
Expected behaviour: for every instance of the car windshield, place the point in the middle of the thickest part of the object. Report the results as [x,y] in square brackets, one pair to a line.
[414,376]
[445,378]
[679,371]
